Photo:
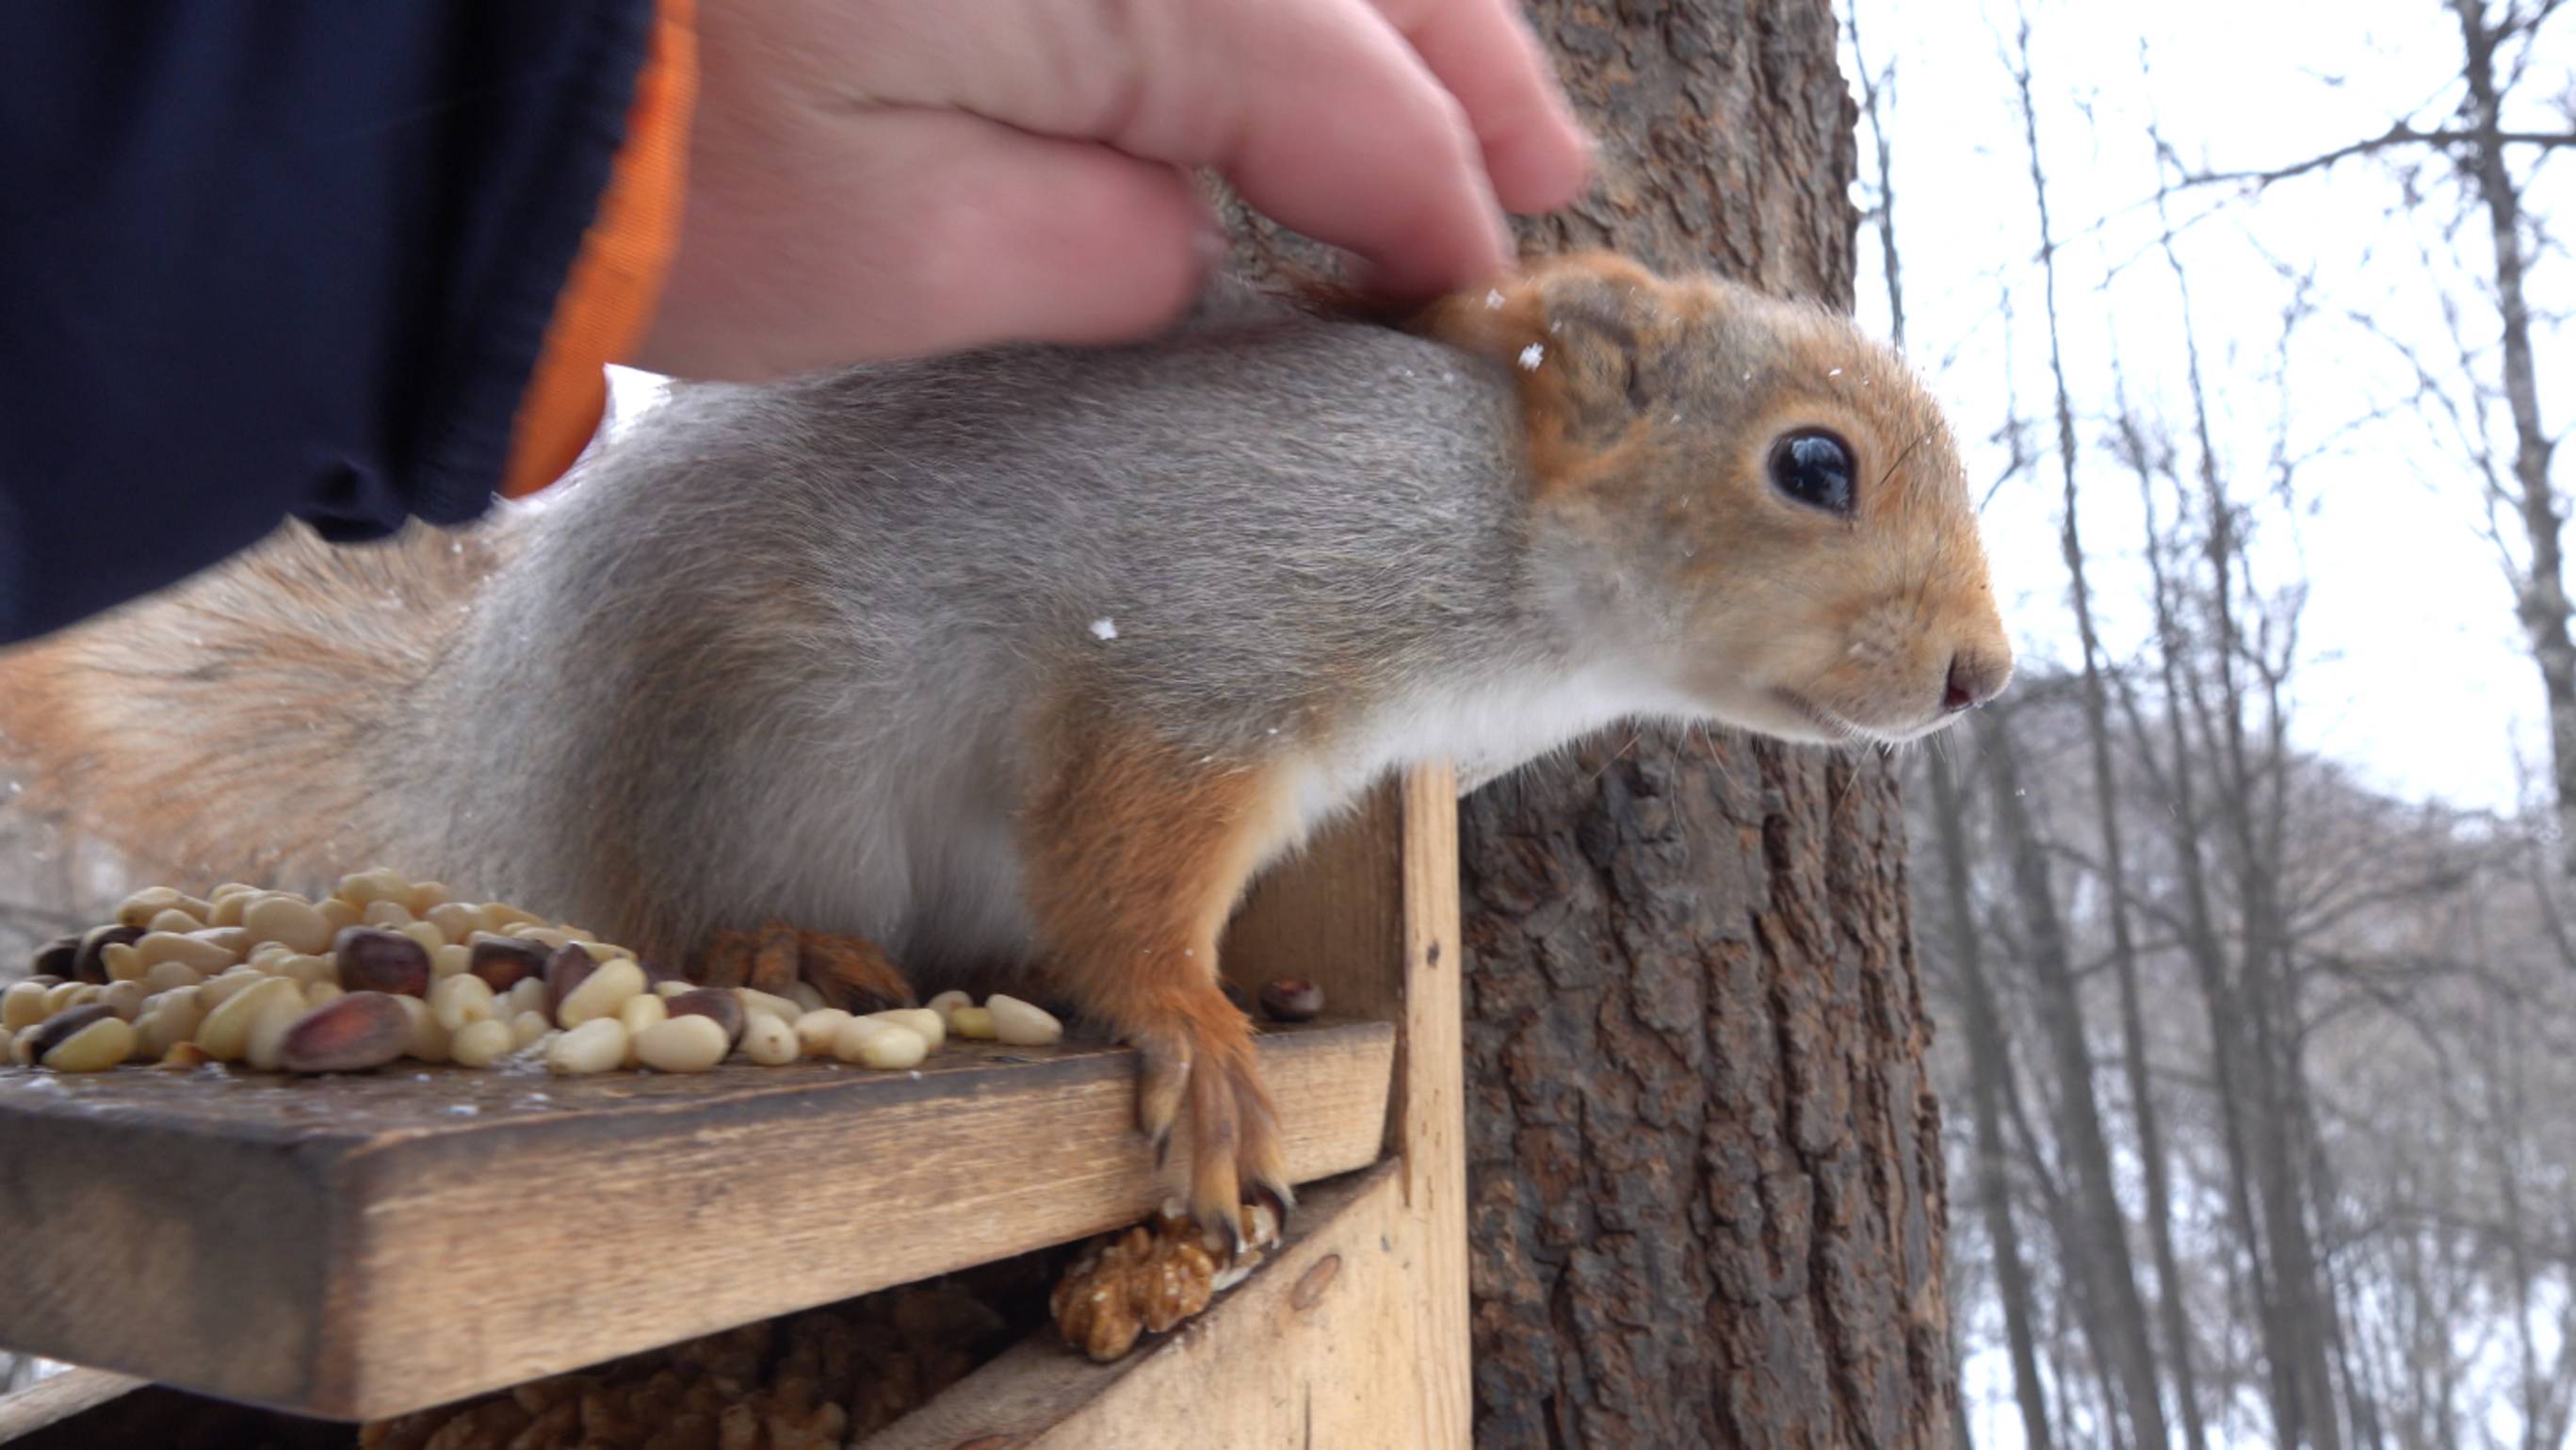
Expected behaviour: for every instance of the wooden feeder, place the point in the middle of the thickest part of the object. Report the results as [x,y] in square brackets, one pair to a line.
[362,1247]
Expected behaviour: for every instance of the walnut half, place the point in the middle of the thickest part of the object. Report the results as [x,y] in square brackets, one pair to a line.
[1149,1278]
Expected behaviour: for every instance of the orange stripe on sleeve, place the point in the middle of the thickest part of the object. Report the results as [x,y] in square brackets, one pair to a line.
[615,282]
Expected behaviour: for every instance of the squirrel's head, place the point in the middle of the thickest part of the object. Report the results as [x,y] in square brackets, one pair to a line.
[1763,501]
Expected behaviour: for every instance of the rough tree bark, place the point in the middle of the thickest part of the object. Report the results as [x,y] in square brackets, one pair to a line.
[1705,1168]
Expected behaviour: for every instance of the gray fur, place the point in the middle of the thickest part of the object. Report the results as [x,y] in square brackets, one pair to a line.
[777,650]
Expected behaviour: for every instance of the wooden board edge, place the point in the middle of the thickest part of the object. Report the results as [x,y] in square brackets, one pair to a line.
[1040,1393]
[373,1369]
[56,1398]
[1431,1109]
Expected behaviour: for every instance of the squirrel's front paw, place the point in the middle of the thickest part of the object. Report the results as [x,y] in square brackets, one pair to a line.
[1198,1055]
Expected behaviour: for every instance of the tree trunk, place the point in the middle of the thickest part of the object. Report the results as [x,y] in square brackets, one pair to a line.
[1705,1163]
[2126,1310]
[1706,1178]
[1989,1063]
[2544,605]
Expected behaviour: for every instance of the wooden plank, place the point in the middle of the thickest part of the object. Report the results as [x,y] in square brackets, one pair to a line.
[360,1247]
[1431,1111]
[1309,1351]
[102,1409]
[52,1400]
[1333,914]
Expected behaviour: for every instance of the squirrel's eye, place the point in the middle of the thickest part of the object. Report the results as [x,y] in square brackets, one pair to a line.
[1815,468]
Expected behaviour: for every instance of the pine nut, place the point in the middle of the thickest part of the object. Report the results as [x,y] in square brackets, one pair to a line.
[756,1000]
[680,1044]
[283,918]
[151,901]
[423,1039]
[23,1005]
[170,976]
[769,1042]
[264,1046]
[480,1044]
[125,999]
[949,1001]
[459,1000]
[600,994]
[232,939]
[527,1027]
[816,1031]
[878,1044]
[455,920]
[170,946]
[223,989]
[927,1025]
[94,1048]
[529,995]
[1022,1024]
[351,1034]
[225,1034]
[373,960]
[448,961]
[376,883]
[174,920]
[385,913]
[595,1046]
[975,1023]
[644,1010]
[713,1002]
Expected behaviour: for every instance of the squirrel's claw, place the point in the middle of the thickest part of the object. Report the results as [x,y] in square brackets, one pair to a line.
[1161,1080]
[1234,1130]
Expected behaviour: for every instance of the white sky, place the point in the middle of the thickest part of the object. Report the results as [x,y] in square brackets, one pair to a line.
[2412,667]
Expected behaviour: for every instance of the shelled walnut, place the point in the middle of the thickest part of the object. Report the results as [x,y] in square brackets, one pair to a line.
[1150,1279]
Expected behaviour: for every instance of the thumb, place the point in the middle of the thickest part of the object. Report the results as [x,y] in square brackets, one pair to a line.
[837,238]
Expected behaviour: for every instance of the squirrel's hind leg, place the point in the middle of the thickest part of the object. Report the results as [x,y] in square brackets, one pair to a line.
[1137,853]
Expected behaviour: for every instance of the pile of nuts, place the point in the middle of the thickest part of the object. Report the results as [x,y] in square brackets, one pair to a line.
[386,968]
[811,1381]
[1151,1278]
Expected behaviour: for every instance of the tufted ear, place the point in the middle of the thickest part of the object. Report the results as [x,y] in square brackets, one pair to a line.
[1585,335]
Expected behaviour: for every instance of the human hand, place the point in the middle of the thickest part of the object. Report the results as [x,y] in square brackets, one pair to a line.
[876,178]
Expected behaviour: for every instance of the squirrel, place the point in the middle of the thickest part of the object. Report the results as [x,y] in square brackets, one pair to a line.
[1037,655]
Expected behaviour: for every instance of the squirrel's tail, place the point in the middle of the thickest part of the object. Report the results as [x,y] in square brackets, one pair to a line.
[250,722]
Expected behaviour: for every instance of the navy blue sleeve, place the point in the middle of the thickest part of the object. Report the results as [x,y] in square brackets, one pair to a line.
[262,258]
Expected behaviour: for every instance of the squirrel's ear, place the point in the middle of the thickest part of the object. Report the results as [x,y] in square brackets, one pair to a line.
[1581,332]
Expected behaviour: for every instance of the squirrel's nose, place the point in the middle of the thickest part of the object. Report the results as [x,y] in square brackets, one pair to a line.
[1975,677]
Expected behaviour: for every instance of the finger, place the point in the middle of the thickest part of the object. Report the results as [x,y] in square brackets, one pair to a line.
[1321,115]
[1338,130]
[893,233]
[1485,53]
